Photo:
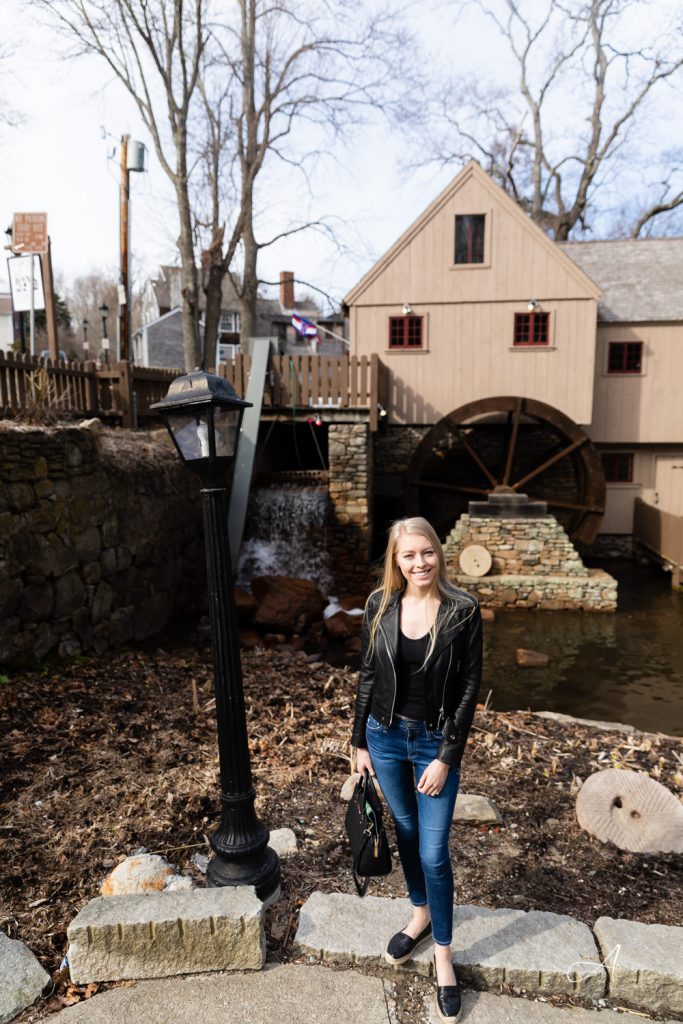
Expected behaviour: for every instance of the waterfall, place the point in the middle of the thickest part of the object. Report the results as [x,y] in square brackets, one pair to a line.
[286,535]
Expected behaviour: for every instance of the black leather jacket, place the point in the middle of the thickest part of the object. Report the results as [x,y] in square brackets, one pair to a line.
[452,673]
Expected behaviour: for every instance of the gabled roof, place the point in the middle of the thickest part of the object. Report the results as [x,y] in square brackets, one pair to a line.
[498,195]
[641,278]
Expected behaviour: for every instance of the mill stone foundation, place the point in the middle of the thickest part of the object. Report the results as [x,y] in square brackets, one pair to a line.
[533,562]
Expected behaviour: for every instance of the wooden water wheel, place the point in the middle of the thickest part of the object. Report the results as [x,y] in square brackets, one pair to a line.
[514,442]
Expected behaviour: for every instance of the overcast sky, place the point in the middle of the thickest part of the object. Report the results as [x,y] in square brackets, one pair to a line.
[61,160]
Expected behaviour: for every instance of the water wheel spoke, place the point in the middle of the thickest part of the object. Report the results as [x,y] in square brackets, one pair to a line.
[513,442]
[550,462]
[572,505]
[470,451]
[438,485]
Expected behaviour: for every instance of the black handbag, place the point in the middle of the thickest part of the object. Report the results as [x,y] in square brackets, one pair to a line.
[365,829]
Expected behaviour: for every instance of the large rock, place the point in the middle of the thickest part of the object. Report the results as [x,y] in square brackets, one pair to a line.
[162,934]
[526,658]
[476,808]
[245,605]
[22,979]
[145,872]
[286,603]
[342,625]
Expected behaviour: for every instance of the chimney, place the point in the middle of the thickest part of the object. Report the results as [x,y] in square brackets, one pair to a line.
[287,289]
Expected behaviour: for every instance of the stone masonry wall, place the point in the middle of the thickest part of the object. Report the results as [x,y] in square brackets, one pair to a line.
[395,446]
[350,490]
[100,540]
[534,565]
[538,546]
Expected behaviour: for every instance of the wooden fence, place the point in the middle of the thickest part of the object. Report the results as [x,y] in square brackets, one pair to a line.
[660,531]
[124,393]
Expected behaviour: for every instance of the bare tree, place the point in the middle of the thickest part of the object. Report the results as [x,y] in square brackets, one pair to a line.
[154,48]
[225,90]
[554,142]
[85,295]
[669,197]
[283,81]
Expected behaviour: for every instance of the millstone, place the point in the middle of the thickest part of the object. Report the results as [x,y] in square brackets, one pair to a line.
[631,810]
[475,560]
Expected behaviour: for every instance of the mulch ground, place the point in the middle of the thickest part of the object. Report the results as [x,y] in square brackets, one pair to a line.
[110,755]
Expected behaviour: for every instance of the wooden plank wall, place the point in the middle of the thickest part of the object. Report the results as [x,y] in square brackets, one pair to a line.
[660,531]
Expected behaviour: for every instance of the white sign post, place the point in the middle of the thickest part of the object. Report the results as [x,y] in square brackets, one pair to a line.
[26,283]
[29,236]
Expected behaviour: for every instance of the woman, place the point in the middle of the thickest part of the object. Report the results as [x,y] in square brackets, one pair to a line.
[417,691]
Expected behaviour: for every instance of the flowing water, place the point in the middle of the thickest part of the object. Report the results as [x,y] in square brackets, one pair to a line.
[623,667]
[285,535]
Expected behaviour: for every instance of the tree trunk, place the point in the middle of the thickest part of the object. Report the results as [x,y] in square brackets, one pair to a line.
[188,275]
[249,284]
[214,295]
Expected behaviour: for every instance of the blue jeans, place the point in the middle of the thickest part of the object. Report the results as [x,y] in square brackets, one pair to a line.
[400,753]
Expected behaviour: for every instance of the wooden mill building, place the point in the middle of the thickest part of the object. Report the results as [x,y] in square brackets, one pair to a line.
[551,368]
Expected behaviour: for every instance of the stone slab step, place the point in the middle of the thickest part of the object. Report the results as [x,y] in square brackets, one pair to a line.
[156,935]
[286,994]
[535,950]
[644,962]
[486,1008]
[301,994]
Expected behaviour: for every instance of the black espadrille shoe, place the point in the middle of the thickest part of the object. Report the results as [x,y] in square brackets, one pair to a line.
[448,1001]
[401,946]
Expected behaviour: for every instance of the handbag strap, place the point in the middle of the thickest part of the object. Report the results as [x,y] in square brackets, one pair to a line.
[361,887]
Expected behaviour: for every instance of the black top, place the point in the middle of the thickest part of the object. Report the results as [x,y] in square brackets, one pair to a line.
[410,677]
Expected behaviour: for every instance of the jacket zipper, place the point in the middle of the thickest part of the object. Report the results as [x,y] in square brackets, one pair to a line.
[442,710]
[393,669]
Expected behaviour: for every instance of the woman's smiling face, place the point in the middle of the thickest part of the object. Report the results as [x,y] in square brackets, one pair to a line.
[417,560]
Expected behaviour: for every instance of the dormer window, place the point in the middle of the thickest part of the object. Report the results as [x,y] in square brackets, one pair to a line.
[469,237]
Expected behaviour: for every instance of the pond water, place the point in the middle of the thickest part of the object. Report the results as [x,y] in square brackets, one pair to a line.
[625,666]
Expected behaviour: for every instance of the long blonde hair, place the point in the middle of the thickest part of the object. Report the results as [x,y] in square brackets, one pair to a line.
[393,580]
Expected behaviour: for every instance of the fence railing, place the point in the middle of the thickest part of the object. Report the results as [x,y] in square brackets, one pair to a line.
[124,393]
[660,531]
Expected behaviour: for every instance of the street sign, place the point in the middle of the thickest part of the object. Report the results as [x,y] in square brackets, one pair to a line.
[29,232]
[19,268]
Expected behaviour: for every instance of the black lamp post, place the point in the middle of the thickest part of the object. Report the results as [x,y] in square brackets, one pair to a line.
[104,313]
[84,324]
[203,416]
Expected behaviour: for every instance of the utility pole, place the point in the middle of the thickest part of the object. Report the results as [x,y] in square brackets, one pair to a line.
[124,296]
[50,304]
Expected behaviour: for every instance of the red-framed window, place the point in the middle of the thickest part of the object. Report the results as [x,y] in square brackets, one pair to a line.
[532,328]
[625,357]
[618,467]
[469,237]
[405,331]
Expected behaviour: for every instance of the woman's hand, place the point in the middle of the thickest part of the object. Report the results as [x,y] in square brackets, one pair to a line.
[433,778]
[363,761]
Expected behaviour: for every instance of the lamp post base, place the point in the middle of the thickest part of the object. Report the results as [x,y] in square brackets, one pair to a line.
[262,870]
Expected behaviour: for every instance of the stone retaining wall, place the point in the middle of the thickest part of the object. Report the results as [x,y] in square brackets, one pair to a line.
[100,543]
[350,490]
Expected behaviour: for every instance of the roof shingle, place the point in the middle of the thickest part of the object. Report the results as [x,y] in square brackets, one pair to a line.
[641,278]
